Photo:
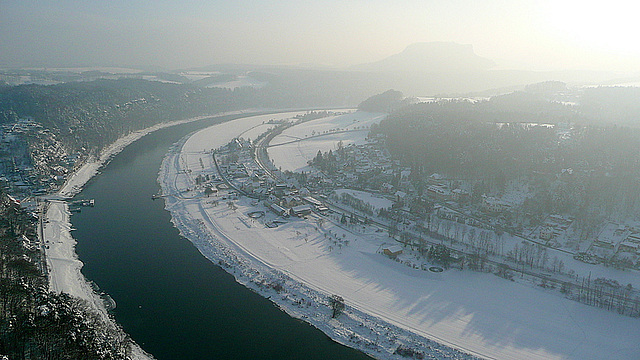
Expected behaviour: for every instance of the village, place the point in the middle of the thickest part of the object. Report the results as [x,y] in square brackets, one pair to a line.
[360,184]
[277,233]
[33,162]
[360,188]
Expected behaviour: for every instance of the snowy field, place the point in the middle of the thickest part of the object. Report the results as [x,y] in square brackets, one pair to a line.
[475,312]
[294,156]
[377,202]
[298,144]
[351,121]
[254,132]
[241,81]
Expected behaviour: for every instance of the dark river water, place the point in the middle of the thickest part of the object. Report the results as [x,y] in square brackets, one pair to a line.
[170,299]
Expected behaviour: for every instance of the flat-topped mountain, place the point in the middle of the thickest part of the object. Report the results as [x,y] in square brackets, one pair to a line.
[431,57]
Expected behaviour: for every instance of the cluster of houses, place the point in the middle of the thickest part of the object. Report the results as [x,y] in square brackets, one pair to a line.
[554,226]
[459,217]
[32,160]
[283,198]
[301,206]
[352,161]
[623,240]
[438,189]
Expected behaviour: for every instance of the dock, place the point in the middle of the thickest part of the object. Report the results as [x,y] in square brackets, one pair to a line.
[84,202]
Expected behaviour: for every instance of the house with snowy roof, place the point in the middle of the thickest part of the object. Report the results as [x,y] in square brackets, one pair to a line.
[392,251]
[494,205]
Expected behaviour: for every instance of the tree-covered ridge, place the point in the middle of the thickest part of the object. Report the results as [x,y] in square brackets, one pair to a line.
[466,139]
[574,165]
[98,112]
[36,323]
[386,102]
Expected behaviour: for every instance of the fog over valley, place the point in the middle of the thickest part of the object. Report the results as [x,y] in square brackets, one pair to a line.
[319,180]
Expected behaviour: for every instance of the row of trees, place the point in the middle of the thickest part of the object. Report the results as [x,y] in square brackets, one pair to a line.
[601,292]
[607,294]
[356,203]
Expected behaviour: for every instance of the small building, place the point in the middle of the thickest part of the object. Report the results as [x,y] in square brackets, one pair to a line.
[392,251]
[312,201]
[386,187]
[261,192]
[290,201]
[301,210]
[491,204]
[439,192]
[436,179]
[604,243]
[400,195]
[546,233]
[460,195]
[628,246]
[279,210]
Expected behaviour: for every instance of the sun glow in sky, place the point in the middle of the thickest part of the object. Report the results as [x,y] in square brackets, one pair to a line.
[610,25]
[521,34]
[609,29]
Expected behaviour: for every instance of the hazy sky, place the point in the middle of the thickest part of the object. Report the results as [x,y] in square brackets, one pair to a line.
[542,34]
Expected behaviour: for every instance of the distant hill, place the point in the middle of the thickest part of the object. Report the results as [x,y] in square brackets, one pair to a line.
[431,57]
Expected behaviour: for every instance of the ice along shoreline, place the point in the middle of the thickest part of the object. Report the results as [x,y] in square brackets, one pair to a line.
[294,266]
[354,328]
[63,264]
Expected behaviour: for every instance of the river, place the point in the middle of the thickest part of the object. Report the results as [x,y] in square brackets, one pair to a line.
[172,301]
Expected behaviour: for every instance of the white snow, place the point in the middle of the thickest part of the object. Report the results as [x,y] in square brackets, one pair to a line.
[476,312]
[294,156]
[351,121]
[378,202]
[199,75]
[241,81]
[298,144]
[254,132]
[65,267]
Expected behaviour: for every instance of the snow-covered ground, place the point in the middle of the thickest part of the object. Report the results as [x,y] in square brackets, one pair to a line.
[294,156]
[241,81]
[351,121]
[254,132]
[62,261]
[298,144]
[376,201]
[388,303]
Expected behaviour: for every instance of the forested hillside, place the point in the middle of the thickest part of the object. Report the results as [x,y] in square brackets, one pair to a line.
[36,323]
[98,112]
[575,158]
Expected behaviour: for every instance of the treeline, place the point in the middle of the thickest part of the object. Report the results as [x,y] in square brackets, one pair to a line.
[94,114]
[36,323]
[468,139]
[356,203]
[484,254]
[612,104]
[574,165]
[387,102]
[607,294]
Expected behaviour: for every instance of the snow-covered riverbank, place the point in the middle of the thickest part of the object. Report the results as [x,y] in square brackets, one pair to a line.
[64,267]
[298,265]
